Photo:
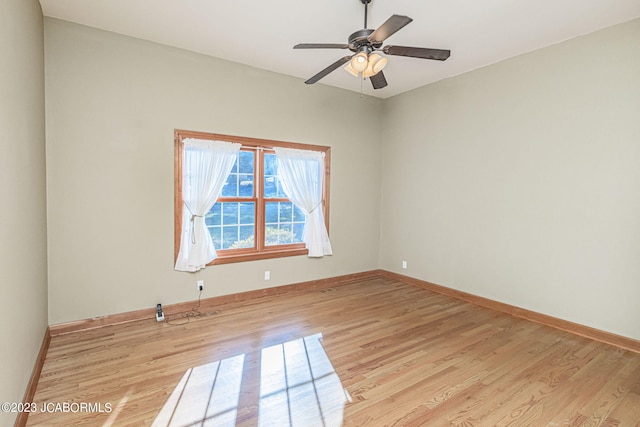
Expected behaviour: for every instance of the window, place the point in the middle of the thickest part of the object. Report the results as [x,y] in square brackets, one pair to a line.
[252,218]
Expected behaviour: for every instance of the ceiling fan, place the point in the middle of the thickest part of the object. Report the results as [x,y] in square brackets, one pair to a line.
[364,43]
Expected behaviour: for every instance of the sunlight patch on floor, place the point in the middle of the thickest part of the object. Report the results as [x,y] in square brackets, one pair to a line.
[207,393]
[298,387]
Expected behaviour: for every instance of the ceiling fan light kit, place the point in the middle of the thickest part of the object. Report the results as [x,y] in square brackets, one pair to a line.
[349,69]
[375,65]
[364,43]
[360,61]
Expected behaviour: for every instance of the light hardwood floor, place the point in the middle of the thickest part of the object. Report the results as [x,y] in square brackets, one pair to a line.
[376,352]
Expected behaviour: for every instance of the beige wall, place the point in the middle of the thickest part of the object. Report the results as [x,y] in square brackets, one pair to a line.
[112,104]
[520,181]
[23,266]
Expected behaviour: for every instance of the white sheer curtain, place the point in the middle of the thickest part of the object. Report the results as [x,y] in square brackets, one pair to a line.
[301,173]
[205,168]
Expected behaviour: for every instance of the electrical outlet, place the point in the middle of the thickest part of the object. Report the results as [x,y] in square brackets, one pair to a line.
[267,275]
[404,265]
[200,285]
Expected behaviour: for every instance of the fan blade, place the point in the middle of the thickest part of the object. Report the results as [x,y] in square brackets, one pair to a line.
[378,81]
[390,26]
[320,46]
[329,69]
[417,52]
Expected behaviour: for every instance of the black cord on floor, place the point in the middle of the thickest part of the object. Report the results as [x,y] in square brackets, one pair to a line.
[186,317]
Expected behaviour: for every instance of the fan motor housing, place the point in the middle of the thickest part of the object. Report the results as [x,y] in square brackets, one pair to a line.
[360,38]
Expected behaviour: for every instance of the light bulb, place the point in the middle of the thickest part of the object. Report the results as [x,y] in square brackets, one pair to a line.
[360,62]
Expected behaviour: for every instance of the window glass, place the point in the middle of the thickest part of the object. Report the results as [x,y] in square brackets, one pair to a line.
[240,180]
[232,225]
[272,186]
[284,223]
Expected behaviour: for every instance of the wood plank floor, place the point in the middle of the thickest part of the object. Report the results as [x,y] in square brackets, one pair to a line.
[375,352]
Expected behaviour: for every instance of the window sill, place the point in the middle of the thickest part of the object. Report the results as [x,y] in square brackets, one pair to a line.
[228,259]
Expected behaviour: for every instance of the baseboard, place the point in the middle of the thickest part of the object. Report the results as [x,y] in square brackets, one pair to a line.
[30,392]
[208,303]
[554,322]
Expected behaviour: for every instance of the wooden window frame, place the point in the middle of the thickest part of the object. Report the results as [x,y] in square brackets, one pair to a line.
[260,251]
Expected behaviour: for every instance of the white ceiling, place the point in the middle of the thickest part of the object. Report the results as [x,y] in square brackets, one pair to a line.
[262,33]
